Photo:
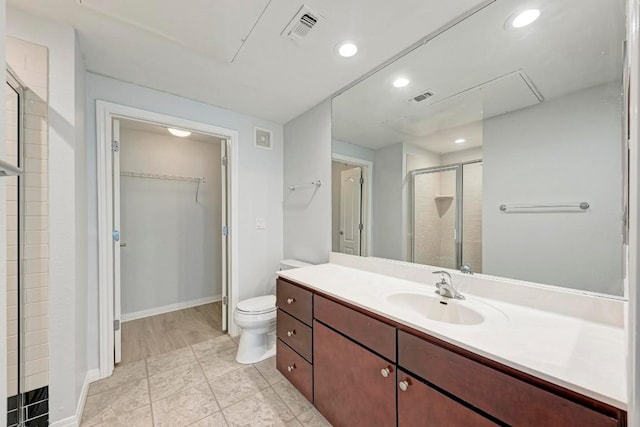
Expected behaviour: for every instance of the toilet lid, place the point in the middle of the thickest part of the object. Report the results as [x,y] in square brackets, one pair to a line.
[258,304]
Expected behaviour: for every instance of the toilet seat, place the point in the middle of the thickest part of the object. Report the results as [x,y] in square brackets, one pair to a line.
[257,305]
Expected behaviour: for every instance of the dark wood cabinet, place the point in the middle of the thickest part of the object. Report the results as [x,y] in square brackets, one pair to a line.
[352,386]
[422,405]
[362,369]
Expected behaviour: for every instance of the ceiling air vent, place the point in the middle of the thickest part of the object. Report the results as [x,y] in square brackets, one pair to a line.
[301,24]
[425,95]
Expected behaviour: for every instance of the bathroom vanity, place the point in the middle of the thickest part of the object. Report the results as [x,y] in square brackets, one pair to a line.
[363,365]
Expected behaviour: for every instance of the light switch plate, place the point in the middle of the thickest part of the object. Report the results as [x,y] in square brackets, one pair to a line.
[261,223]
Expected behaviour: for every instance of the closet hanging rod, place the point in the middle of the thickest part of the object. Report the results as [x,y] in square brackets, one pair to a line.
[162,177]
[582,205]
[317,183]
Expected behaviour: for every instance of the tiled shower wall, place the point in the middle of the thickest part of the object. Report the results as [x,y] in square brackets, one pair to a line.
[30,62]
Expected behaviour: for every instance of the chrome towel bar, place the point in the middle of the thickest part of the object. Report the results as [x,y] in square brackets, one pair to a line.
[582,205]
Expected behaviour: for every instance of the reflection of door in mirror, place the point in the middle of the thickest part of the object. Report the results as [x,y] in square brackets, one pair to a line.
[447,216]
[348,208]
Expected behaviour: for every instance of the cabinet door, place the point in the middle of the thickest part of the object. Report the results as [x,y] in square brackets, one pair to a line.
[350,386]
[421,405]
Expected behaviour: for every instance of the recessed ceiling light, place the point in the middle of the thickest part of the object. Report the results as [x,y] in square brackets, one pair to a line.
[179,132]
[460,141]
[347,49]
[524,18]
[401,82]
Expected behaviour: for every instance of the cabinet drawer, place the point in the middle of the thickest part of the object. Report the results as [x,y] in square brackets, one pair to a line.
[372,333]
[295,334]
[296,301]
[509,399]
[298,371]
[419,404]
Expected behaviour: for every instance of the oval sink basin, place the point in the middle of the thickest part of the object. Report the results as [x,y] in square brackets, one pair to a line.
[445,310]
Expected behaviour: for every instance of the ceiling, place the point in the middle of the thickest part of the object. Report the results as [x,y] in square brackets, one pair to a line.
[479,69]
[231,53]
[162,130]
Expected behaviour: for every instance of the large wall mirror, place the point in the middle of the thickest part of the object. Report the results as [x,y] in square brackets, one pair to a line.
[496,144]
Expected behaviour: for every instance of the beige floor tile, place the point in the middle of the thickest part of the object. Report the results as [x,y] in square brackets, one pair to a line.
[215,420]
[313,418]
[220,365]
[235,386]
[185,407]
[121,375]
[214,347]
[175,380]
[262,409]
[268,370]
[296,402]
[110,404]
[170,360]
[293,423]
[141,417]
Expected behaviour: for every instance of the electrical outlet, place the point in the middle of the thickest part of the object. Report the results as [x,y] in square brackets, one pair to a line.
[261,223]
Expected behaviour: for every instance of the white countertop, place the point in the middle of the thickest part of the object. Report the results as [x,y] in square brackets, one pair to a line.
[581,355]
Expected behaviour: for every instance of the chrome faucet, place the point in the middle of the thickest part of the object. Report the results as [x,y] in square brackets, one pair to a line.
[445,288]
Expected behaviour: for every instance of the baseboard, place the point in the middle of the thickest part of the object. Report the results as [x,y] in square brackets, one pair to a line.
[169,308]
[74,421]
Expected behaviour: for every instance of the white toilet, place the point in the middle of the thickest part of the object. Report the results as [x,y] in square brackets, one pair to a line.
[257,319]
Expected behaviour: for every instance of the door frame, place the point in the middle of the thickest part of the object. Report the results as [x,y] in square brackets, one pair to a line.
[105,113]
[367,201]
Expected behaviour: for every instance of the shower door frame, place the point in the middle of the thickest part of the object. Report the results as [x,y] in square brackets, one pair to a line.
[459,169]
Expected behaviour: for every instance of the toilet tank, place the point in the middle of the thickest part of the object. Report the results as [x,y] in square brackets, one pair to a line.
[288,264]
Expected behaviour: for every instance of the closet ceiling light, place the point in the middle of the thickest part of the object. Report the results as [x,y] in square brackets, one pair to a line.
[179,132]
[524,18]
[401,82]
[460,141]
[347,49]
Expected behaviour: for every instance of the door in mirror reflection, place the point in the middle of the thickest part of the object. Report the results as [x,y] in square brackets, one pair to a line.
[350,210]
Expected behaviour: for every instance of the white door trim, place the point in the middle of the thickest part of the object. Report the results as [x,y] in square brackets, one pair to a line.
[105,112]
[367,194]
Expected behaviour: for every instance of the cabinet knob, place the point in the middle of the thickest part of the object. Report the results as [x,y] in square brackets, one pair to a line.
[385,372]
[291,300]
[404,385]
[291,333]
[291,368]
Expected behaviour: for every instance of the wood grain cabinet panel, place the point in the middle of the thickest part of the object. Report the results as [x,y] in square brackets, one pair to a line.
[421,405]
[298,371]
[509,399]
[349,388]
[374,334]
[294,300]
[295,334]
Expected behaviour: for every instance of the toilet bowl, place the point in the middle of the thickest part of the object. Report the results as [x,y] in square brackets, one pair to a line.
[257,319]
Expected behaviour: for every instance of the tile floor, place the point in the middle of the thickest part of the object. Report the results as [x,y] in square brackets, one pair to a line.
[200,385]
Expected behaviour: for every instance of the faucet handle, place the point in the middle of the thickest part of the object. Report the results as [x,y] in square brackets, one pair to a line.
[443,273]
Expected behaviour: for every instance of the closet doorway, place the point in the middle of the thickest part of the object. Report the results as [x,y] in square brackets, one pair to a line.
[165,205]
[169,202]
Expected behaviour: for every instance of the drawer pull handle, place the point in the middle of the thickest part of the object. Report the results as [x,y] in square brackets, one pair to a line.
[291,300]
[404,385]
[291,333]
[291,368]
[385,372]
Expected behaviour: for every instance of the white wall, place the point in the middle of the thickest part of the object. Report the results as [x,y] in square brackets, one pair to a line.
[307,211]
[60,40]
[173,253]
[352,150]
[259,186]
[387,203]
[3,233]
[565,150]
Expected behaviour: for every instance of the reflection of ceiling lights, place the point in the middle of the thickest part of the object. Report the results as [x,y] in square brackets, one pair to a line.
[524,18]
[401,82]
[179,132]
[347,49]
[460,141]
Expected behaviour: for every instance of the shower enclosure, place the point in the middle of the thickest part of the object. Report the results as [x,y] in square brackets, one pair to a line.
[446,215]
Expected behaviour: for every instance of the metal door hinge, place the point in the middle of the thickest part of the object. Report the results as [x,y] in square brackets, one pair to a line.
[224,161]
[225,301]
[116,325]
[361,180]
[361,227]
[115,146]
[225,231]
